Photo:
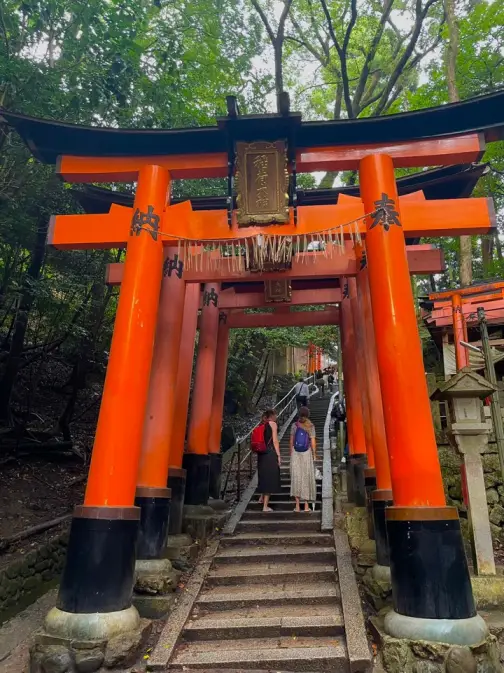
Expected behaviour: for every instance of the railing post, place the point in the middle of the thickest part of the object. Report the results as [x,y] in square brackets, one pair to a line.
[238,474]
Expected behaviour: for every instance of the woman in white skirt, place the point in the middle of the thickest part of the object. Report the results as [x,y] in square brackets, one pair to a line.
[303,453]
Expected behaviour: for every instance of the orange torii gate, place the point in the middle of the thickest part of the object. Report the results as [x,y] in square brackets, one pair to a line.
[265,153]
[458,307]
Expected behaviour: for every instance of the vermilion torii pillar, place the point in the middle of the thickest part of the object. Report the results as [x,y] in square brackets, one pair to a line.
[459,333]
[176,474]
[360,344]
[357,457]
[431,587]
[99,570]
[382,495]
[196,460]
[219,389]
[153,496]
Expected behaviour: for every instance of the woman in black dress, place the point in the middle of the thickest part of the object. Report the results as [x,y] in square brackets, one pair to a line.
[268,463]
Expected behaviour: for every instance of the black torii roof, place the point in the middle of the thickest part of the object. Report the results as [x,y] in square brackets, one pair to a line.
[49,139]
[450,182]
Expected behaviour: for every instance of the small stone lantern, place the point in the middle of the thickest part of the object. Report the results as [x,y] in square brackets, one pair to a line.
[468,433]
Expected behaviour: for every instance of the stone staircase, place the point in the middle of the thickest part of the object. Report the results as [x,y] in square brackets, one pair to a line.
[270,600]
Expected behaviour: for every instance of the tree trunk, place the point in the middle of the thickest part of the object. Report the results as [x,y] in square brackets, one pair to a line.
[466,273]
[452,47]
[278,48]
[13,362]
[498,246]
[328,180]
[487,244]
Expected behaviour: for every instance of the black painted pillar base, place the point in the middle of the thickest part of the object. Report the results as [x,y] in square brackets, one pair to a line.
[430,577]
[370,486]
[197,467]
[177,485]
[350,486]
[214,489]
[356,466]
[100,564]
[380,500]
[154,504]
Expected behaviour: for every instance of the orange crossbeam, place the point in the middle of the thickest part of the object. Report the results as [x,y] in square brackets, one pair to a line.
[125,169]
[229,299]
[435,152]
[439,152]
[419,218]
[443,317]
[476,299]
[465,291]
[305,265]
[328,316]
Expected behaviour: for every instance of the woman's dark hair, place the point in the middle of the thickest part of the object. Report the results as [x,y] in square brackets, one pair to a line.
[268,414]
[303,413]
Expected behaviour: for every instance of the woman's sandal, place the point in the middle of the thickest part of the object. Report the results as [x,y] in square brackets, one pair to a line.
[267,509]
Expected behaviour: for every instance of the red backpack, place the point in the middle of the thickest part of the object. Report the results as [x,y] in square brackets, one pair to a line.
[257,441]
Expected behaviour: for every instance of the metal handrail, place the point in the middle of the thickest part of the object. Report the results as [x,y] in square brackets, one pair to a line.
[242,443]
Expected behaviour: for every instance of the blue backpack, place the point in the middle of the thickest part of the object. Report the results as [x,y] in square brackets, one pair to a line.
[301,439]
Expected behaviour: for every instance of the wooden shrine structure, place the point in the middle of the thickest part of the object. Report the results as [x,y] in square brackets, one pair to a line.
[346,247]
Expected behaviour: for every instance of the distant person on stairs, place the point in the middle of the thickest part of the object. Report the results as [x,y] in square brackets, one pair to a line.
[303,453]
[320,383]
[268,463]
[302,393]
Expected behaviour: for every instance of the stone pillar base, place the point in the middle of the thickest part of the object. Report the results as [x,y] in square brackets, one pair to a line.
[88,642]
[155,576]
[430,577]
[429,655]
[380,500]
[377,585]
[177,485]
[370,486]
[214,488]
[154,505]
[197,467]
[470,631]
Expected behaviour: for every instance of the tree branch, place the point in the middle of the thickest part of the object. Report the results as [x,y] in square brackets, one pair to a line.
[420,17]
[342,50]
[304,42]
[265,21]
[371,54]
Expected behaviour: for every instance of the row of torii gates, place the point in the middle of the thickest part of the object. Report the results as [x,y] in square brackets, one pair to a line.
[346,249]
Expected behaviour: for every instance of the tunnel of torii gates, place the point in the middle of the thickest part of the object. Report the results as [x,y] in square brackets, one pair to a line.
[324,248]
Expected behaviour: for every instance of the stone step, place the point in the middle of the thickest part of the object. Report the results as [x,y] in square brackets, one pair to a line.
[281,626]
[282,497]
[304,522]
[314,555]
[265,539]
[277,654]
[290,593]
[279,506]
[287,514]
[275,497]
[269,573]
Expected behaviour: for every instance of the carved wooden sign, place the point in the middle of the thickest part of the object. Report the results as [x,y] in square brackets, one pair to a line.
[262,183]
[277,290]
